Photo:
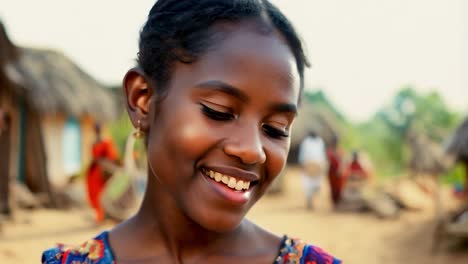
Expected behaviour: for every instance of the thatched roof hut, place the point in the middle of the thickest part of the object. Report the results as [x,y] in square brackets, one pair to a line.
[312,119]
[53,105]
[52,83]
[8,54]
[426,156]
[458,142]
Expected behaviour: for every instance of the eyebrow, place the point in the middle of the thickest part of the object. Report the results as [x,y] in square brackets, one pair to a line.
[285,108]
[225,88]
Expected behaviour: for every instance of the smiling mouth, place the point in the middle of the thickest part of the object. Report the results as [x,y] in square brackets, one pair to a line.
[229,181]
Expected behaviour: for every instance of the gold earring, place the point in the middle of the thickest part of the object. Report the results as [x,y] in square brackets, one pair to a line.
[137,133]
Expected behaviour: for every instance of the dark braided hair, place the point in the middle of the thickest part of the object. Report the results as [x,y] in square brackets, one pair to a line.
[182,30]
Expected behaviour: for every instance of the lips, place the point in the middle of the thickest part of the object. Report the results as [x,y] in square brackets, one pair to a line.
[235,185]
[229,181]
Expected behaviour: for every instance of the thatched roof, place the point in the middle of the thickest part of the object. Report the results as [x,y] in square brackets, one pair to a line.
[426,156]
[52,83]
[8,54]
[458,142]
[313,119]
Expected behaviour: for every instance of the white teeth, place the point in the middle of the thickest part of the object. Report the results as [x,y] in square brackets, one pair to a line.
[240,185]
[225,179]
[231,182]
[218,176]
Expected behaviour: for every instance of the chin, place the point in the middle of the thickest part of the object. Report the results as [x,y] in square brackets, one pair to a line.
[221,223]
[223,227]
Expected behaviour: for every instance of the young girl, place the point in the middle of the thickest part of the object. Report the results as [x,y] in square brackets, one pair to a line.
[215,94]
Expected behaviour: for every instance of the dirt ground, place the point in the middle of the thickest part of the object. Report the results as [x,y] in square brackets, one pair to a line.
[355,238]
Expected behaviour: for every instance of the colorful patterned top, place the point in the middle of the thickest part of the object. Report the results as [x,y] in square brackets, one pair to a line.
[294,251]
[98,251]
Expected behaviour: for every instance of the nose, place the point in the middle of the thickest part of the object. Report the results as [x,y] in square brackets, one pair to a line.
[246,144]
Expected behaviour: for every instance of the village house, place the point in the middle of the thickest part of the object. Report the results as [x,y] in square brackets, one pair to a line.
[52,106]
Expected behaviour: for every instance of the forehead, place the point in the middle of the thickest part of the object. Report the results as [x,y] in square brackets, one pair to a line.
[249,59]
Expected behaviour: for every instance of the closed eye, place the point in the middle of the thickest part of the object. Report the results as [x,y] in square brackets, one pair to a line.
[216,115]
[274,132]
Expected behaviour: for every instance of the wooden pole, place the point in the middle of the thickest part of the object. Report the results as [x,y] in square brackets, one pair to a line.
[35,159]
[5,131]
[465,189]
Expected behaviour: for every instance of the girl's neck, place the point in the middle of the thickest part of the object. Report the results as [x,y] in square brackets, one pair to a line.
[161,233]
[163,224]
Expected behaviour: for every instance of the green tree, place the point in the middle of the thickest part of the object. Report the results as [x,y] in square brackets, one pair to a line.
[387,135]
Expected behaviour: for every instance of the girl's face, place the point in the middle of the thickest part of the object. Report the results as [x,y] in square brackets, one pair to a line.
[221,135]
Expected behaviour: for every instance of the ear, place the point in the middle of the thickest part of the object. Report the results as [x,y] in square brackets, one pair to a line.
[137,93]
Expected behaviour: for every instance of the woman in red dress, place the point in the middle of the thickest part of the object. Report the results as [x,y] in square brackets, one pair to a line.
[334,173]
[103,150]
[355,170]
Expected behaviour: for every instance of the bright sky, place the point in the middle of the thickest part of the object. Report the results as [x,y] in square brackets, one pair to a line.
[362,51]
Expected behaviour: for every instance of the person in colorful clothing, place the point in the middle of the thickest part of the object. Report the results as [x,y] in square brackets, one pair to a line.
[355,178]
[355,170]
[215,93]
[103,150]
[335,176]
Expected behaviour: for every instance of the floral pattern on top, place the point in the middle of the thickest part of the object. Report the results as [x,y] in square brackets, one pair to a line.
[294,251]
[98,251]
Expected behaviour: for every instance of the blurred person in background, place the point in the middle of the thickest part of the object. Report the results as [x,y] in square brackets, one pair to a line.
[335,174]
[104,153]
[355,179]
[313,160]
[355,169]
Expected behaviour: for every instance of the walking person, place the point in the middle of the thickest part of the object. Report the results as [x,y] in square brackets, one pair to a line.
[313,160]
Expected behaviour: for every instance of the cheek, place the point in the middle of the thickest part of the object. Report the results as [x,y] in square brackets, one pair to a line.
[189,133]
[189,137]
[175,145]
[193,138]
[276,158]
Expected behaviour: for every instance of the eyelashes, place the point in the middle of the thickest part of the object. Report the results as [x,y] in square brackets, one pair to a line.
[274,132]
[226,116]
[216,115]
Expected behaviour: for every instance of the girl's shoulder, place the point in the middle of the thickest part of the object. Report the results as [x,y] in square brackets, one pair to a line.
[93,251]
[296,251]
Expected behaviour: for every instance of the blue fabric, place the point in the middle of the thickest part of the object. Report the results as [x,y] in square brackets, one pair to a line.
[94,251]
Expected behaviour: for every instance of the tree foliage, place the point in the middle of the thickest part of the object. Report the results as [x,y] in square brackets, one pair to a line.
[409,114]
[385,137]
